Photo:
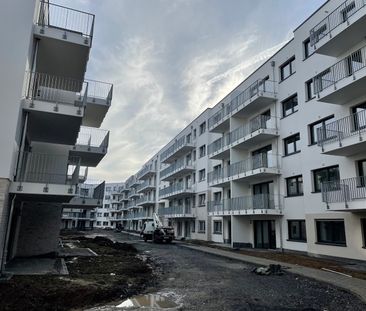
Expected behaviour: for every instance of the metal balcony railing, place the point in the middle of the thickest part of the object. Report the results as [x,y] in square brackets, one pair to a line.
[146,169]
[55,89]
[146,199]
[57,16]
[47,168]
[179,210]
[345,68]
[91,190]
[345,190]
[337,131]
[219,144]
[100,90]
[337,17]
[145,184]
[256,88]
[262,160]
[175,167]
[177,187]
[178,144]
[250,202]
[77,215]
[93,137]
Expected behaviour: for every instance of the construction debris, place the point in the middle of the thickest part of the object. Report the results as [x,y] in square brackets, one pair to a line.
[269,270]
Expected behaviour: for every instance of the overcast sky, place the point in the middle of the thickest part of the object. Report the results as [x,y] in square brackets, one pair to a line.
[171,59]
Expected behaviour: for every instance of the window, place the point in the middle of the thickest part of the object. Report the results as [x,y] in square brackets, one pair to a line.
[217,227]
[201,175]
[319,128]
[297,230]
[188,138]
[106,214]
[309,85]
[202,128]
[202,151]
[287,69]
[193,226]
[217,197]
[105,223]
[327,174]
[107,197]
[363,228]
[194,155]
[99,223]
[201,226]
[289,106]
[308,48]
[294,186]
[292,144]
[361,170]
[194,134]
[108,189]
[359,116]
[202,199]
[106,205]
[331,232]
[99,214]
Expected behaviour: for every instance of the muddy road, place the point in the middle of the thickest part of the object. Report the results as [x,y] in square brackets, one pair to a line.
[205,282]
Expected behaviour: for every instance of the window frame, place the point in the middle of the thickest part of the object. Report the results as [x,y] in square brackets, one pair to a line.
[202,202]
[215,222]
[202,128]
[200,222]
[202,151]
[297,182]
[290,140]
[293,107]
[302,235]
[311,127]
[309,90]
[330,221]
[315,190]
[292,68]
[308,50]
[202,175]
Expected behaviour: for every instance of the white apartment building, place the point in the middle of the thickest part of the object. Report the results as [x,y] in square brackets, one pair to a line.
[51,117]
[284,164]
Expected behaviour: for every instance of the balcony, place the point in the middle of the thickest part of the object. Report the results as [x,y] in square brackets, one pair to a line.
[344,81]
[132,181]
[146,200]
[253,205]
[175,191]
[146,172]
[342,29]
[177,169]
[88,195]
[146,186]
[53,102]
[257,96]
[78,216]
[345,195]
[344,137]
[132,204]
[180,147]
[64,33]
[256,131]
[98,100]
[253,168]
[46,177]
[178,211]
[91,146]
[220,121]
[133,194]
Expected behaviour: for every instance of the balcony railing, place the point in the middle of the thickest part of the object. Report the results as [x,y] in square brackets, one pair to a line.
[91,190]
[219,144]
[146,170]
[178,144]
[219,116]
[345,68]
[100,90]
[344,191]
[178,187]
[48,169]
[146,199]
[57,16]
[179,210]
[337,131]
[262,160]
[334,19]
[55,89]
[77,215]
[145,185]
[93,137]
[251,202]
[175,167]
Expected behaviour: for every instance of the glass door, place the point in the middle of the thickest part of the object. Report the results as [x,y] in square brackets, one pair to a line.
[264,234]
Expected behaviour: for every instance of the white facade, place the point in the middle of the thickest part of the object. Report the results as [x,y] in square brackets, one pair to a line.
[285,162]
[51,118]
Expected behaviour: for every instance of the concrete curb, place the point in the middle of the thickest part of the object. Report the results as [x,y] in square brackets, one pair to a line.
[354,285]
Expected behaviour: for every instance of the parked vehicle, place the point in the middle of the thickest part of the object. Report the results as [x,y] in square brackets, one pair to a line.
[155,231]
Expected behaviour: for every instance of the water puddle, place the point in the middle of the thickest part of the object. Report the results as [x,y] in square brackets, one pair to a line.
[149,302]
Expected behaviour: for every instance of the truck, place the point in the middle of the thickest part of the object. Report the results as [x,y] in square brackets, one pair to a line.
[155,231]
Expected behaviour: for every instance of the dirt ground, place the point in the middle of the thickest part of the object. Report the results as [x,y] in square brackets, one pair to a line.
[117,273]
[296,259]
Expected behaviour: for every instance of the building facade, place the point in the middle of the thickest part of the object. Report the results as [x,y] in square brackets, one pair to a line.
[51,118]
[280,161]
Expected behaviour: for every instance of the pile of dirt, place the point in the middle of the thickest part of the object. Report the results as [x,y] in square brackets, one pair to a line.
[116,273]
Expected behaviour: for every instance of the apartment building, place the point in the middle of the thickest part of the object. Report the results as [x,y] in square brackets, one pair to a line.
[280,161]
[51,118]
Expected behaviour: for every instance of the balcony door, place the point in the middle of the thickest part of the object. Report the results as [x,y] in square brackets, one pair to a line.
[263,195]
[359,117]
[264,234]
[262,157]
[260,121]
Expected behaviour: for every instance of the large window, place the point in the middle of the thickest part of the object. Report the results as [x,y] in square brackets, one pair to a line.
[294,186]
[292,144]
[326,174]
[308,49]
[309,88]
[201,175]
[202,128]
[331,232]
[289,106]
[297,230]
[217,227]
[288,68]
[202,151]
[320,125]
[202,199]
[201,226]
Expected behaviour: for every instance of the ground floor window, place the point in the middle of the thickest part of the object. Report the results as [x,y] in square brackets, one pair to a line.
[331,232]
[105,223]
[363,228]
[297,230]
[98,223]
[201,226]
[217,227]
[193,226]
